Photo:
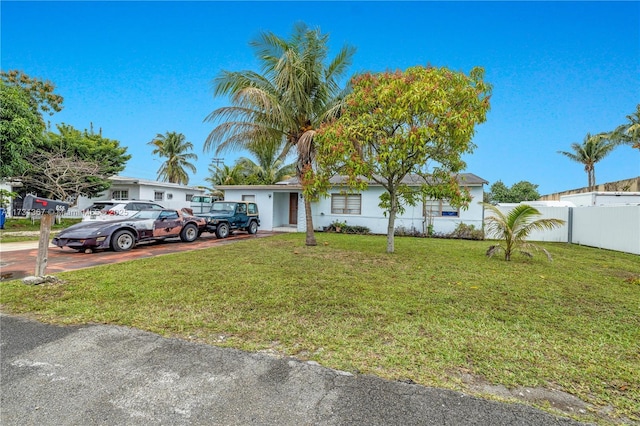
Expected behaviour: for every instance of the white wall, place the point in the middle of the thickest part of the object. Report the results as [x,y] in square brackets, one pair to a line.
[613,227]
[372,215]
[610,227]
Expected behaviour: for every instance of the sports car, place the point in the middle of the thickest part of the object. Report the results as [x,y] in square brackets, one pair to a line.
[124,234]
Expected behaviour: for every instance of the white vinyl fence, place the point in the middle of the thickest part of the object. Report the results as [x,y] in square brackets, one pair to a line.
[615,227]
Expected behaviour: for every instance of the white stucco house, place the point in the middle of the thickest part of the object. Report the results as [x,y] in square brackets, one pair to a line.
[170,195]
[282,207]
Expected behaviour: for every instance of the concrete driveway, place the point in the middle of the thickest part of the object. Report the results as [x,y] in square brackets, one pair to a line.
[109,375]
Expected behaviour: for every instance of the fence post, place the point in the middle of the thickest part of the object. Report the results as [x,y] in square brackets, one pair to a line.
[570,226]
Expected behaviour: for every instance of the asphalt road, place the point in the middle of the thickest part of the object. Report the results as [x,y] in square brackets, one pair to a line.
[108,375]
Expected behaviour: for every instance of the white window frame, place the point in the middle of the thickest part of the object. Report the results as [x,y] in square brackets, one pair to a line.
[120,194]
[441,208]
[158,196]
[346,204]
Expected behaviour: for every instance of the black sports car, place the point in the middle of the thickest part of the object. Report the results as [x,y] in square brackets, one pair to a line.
[124,234]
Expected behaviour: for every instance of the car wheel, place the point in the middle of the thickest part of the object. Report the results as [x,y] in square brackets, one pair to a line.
[253,227]
[222,231]
[189,233]
[122,240]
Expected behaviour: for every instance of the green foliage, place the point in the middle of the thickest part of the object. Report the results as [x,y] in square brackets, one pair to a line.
[42,98]
[521,191]
[20,127]
[70,163]
[466,232]
[418,122]
[5,198]
[591,151]
[628,133]
[225,175]
[269,169]
[344,228]
[174,147]
[514,228]
[297,90]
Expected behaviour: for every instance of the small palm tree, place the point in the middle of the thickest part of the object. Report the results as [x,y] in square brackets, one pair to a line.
[514,228]
[175,149]
[593,149]
[269,169]
[225,175]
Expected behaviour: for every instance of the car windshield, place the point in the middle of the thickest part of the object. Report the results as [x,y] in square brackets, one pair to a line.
[147,214]
[222,207]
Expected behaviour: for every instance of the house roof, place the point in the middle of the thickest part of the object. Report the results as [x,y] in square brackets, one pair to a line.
[122,180]
[465,179]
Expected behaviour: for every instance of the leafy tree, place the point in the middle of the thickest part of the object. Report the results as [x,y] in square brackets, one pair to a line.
[521,191]
[399,124]
[42,99]
[628,133]
[269,169]
[71,163]
[513,229]
[296,92]
[592,150]
[174,147]
[24,100]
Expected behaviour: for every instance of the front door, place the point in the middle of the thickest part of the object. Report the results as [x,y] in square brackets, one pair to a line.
[293,208]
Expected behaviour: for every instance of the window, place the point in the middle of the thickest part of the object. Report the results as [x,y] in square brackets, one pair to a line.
[346,203]
[158,196]
[439,208]
[253,208]
[122,194]
[189,197]
[248,198]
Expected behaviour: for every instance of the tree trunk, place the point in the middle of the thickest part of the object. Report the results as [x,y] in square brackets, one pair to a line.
[46,221]
[391,226]
[311,237]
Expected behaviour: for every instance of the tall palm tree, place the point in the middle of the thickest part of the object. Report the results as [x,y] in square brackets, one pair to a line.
[295,93]
[589,152]
[174,147]
[514,227]
[269,169]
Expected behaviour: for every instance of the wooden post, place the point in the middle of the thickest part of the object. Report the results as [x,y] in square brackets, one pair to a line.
[46,220]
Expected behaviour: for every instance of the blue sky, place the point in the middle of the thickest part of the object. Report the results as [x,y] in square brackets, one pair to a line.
[559,70]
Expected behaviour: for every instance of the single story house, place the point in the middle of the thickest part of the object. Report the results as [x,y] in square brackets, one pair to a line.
[282,207]
[170,195]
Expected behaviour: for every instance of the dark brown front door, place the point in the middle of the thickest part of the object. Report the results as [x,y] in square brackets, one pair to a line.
[293,208]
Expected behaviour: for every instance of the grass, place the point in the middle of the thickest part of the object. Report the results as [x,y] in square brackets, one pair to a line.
[14,226]
[434,311]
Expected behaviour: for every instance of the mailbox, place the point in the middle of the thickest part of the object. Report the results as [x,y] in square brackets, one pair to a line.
[43,205]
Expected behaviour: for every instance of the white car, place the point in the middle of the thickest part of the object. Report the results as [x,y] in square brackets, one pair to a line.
[117,209]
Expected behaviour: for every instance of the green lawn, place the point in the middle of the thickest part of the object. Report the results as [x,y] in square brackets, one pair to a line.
[14,226]
[434,311]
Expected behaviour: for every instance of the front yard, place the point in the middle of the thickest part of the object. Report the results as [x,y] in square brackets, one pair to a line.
[437,312]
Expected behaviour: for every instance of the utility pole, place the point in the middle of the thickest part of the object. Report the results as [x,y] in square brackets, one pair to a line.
[217,161]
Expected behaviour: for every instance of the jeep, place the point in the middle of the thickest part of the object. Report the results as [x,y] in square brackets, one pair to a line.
[227,216]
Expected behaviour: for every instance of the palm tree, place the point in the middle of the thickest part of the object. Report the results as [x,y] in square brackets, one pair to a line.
[269,169]
[225,175]
[514,228]
[629,133]
[293,96]
[593,149]
[174,148]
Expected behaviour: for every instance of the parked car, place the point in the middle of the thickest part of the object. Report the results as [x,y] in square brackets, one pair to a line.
[123,234]
[117,209]
[226,216]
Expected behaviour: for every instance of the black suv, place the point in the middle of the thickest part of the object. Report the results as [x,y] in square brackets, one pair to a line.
[226,216]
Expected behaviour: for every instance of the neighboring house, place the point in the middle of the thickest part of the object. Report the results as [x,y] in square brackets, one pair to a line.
[626,185]
[170,195]
[282,207]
